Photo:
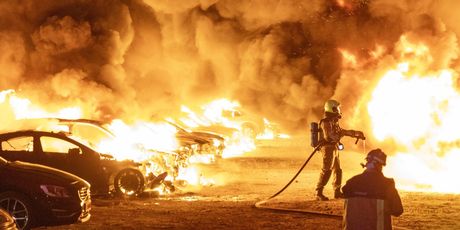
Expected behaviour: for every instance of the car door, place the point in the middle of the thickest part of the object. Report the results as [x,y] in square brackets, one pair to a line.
[69,156]
[19,148]
[55,152]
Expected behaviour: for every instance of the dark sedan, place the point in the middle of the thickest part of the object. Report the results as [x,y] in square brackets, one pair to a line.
[37,195]
[105,174]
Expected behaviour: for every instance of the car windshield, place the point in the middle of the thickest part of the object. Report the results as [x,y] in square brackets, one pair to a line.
[90,134]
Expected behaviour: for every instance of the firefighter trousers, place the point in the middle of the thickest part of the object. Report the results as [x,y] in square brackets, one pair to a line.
[331,164]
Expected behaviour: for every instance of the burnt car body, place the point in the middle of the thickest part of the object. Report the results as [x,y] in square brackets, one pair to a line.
[36,195]
[105,174]
[168,161]
[6,221]
[210,143]
[87,128]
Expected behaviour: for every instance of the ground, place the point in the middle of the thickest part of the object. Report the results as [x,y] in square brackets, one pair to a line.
[242,182]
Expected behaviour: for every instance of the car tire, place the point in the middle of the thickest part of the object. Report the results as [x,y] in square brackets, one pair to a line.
[129,182]
[20,208]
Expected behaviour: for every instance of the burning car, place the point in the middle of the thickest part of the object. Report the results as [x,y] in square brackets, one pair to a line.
[37,195]
[190,144]
[95,131]
[210,143]
[105,174]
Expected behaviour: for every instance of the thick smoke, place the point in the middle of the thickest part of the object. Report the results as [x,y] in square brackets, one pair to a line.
[280,59]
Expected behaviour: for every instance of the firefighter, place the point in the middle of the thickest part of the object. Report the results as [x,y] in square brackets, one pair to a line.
[371,198]
[330,139]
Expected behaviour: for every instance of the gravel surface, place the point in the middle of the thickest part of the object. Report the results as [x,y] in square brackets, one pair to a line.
[242,182]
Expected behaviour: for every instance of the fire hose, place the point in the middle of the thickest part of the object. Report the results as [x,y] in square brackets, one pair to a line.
[335,216]
[259,204]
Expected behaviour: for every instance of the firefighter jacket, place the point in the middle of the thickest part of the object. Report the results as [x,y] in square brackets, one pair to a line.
[332,132]
[370,201]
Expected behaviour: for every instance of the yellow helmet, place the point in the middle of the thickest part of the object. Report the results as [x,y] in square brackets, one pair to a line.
[332,106]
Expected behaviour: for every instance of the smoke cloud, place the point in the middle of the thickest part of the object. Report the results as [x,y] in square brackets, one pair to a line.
[281,59]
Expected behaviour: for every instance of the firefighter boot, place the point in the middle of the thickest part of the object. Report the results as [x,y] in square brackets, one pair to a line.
[320,196]
[338,194]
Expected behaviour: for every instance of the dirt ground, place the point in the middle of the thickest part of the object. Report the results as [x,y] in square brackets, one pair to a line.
[241,182]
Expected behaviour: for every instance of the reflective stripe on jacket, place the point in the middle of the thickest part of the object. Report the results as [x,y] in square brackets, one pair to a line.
[363,213]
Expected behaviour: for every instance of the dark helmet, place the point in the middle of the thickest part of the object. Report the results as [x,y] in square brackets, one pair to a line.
[377,156]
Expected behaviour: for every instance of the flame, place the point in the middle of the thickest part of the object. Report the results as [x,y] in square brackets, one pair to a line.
[193,177]
[152,144]
[417,109]
[23,108]
[159,136]
[221,112]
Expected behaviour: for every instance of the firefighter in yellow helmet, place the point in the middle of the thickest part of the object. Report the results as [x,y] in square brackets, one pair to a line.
[371,198]
[330,139]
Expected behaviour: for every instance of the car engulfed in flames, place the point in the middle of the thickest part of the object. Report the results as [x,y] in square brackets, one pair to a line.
[168,155]
[165,166]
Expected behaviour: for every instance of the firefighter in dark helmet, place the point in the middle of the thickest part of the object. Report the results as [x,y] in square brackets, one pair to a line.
[331,133]
[371,198]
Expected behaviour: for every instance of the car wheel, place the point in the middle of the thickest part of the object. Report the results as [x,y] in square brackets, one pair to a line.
[19,207]
[129,182]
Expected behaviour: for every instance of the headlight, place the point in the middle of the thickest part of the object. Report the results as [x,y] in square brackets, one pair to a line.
[55,191]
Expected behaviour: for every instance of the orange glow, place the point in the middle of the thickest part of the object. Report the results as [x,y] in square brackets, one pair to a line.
[419,110]
[377,52]
[349,60]
[193,177]
[220,113]
[24,109]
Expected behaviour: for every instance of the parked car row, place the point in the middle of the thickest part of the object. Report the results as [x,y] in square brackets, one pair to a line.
[47,175]
[62,173]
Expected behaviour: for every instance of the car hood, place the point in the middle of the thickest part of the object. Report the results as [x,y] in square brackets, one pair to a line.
[207,135]
[186,138]
[46,171]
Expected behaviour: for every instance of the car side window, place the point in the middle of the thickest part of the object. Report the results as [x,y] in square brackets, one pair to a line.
[19,144]
[56,145]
